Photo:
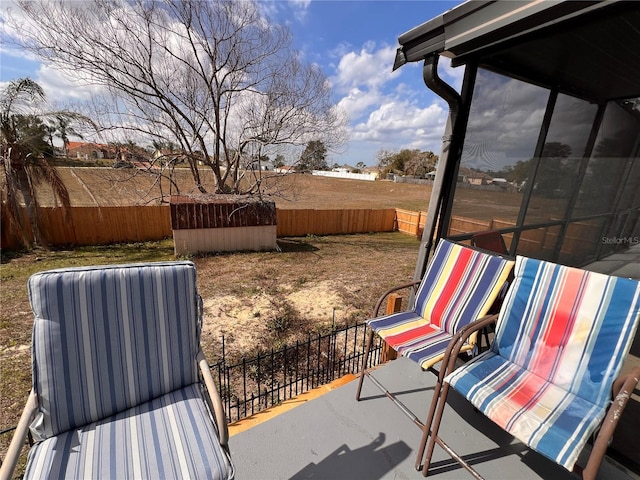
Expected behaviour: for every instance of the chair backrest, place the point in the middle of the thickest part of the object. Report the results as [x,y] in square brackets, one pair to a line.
[460,285]
[568,326]
[106,339]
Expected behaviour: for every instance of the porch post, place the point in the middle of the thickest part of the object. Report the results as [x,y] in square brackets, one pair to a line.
[448,165]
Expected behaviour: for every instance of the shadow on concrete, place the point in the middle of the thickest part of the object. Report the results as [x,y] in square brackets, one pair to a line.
[370,462]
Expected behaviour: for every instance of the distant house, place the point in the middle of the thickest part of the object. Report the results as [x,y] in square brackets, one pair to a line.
[375,171]
[432,176]
[343,169]
[285,169]
[164,152]
[88,151]
[167,155]
[478,178]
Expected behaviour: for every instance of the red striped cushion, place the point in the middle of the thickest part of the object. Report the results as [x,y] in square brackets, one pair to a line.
[460,286]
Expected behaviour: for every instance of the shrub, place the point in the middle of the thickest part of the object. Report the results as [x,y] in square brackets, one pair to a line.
[283,316]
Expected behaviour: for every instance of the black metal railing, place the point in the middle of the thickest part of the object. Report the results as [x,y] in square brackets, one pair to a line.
[251,385]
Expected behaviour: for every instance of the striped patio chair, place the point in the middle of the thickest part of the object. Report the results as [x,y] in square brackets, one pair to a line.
[459,287]
[550,375]
[117,391]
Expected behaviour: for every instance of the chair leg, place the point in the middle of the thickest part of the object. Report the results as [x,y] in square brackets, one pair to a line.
[435,427]
[365,362]
[437,393]
[8,464]
[438,401]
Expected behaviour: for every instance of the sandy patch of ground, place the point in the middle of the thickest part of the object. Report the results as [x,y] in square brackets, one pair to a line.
[242,322]
[17,348]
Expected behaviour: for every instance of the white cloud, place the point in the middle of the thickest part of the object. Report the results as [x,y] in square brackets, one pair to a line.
[356,102]
[393,126]
[297,9]
[389,110]
[300,9]
[9,34]
[452,76]
[399,122]
[368,68]
[62,86]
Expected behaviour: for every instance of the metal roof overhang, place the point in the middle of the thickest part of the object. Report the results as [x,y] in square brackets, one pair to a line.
[587,49]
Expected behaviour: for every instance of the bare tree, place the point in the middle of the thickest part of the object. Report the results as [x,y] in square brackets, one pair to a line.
[213,77]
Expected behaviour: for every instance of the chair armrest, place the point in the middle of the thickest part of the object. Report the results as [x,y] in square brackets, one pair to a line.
[625,384]
[622,389]
[17,442]
[458,340]
[390,291]
[216,401]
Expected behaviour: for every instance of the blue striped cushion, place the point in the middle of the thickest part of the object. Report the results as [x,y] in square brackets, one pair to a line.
[561,340]
[459,286]
[169,437]
[547,418]
[106,339]
[569,326]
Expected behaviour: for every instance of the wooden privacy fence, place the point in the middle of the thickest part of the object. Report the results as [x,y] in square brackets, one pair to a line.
[410,222]
[293,223]
[105,225]
[97,226]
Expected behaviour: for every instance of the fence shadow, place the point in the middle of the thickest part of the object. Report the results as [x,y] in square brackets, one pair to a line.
[367,463]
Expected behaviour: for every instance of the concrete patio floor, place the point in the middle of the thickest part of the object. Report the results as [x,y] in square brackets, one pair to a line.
[625,263]
[336,437]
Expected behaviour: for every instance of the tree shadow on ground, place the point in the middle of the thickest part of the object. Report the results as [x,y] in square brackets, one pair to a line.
[292,245]
[369,462]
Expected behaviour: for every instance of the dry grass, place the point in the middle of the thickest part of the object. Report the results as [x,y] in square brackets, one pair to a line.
[106,186]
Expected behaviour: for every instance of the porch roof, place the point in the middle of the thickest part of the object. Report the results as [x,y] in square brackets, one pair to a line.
[587,49]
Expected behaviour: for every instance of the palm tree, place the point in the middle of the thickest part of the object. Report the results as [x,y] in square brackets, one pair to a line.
[25,157]
[63,129]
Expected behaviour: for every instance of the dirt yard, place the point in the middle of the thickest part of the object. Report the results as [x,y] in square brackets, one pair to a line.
[265,300]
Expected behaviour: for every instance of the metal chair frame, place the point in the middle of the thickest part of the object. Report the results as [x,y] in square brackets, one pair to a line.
[365,371]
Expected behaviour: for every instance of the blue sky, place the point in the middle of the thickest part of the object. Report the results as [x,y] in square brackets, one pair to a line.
[354,43]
